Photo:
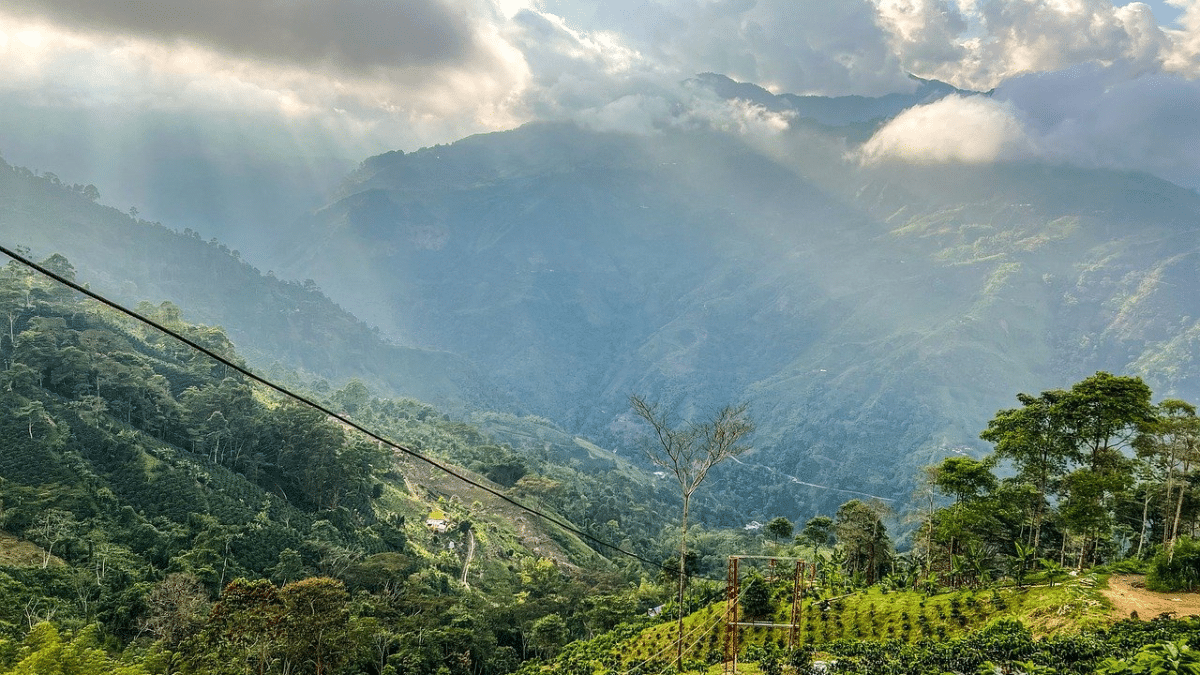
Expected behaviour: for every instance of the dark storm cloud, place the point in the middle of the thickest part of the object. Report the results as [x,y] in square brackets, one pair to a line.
[356,36]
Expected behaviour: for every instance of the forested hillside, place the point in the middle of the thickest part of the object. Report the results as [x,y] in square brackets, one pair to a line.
[279,324]
[872,313]
[139,478]
[161,511]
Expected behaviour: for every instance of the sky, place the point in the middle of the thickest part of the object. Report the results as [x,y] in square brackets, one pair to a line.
[107,91]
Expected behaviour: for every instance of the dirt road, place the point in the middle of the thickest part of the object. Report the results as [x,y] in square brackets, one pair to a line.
[1129,595]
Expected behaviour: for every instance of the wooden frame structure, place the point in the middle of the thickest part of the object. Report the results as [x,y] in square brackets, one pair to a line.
[733,625]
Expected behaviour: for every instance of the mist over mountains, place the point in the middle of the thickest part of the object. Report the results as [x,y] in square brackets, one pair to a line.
[875,313]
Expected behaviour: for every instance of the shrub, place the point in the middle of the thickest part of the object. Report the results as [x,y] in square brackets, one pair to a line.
[1179,573]
[1126,566]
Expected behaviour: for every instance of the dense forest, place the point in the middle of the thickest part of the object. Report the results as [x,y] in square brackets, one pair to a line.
[162,512]
[142,480]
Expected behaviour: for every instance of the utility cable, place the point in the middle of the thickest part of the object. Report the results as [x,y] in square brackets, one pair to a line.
[703,629]
[299,398]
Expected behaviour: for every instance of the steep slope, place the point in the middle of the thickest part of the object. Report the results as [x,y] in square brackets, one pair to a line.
[298,335]
[875,317]
[282,325]
[149,493]
[112,425]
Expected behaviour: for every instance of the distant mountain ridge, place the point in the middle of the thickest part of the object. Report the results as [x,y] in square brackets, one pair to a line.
[276,321]
[874,316]
[836,111]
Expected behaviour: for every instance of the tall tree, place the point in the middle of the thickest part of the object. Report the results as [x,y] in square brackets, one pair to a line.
[780,528]
[1105,413]
[318,636]
[863,537]
[176,608]
[818,531]
[1036,438]
[689,451]
[1172,444]
[966,479]
[963,477]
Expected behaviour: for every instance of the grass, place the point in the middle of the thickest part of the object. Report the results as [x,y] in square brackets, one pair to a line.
[20,553]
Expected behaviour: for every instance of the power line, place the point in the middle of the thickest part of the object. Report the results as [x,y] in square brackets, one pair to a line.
[317,406]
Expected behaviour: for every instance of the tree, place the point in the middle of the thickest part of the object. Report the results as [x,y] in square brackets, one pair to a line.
[317,625]
[243,633]
[549,634]
[756,598]
[16,284]
[1172,442]
[818,531]
[863,538]
[1072,443]
[1037,440]
[50,528]
[963,477]
[177,607]
[689,452]
[779,528]
[353,397]
[1105,413]
[44,652]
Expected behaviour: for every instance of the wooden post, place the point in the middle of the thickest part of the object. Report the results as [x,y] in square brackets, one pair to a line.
[731,616]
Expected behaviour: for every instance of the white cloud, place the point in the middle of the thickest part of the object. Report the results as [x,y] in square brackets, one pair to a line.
[1184,57]
[1115,117]
[797,46]
[969,129]
[450,68]
[979,45]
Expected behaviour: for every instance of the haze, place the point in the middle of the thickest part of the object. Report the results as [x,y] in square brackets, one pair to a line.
[229,117]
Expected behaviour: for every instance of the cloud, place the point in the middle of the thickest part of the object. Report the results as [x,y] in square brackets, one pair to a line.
[1113,117]
[1184,57]
[597,80]
[385,74]
[354,36]
[969,129]
[410,102]
[979,45]
[797,46]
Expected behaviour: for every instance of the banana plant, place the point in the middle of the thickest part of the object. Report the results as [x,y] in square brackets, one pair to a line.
[1053,569]
[1024,553]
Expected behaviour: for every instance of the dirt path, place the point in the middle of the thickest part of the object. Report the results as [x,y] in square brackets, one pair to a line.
[1129,595]
[470,557]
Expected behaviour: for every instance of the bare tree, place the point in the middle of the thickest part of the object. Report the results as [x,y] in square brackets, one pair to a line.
[689,451]
[176,608]
[50,528]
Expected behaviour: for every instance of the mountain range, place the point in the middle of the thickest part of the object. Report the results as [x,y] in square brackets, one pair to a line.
[874,315]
